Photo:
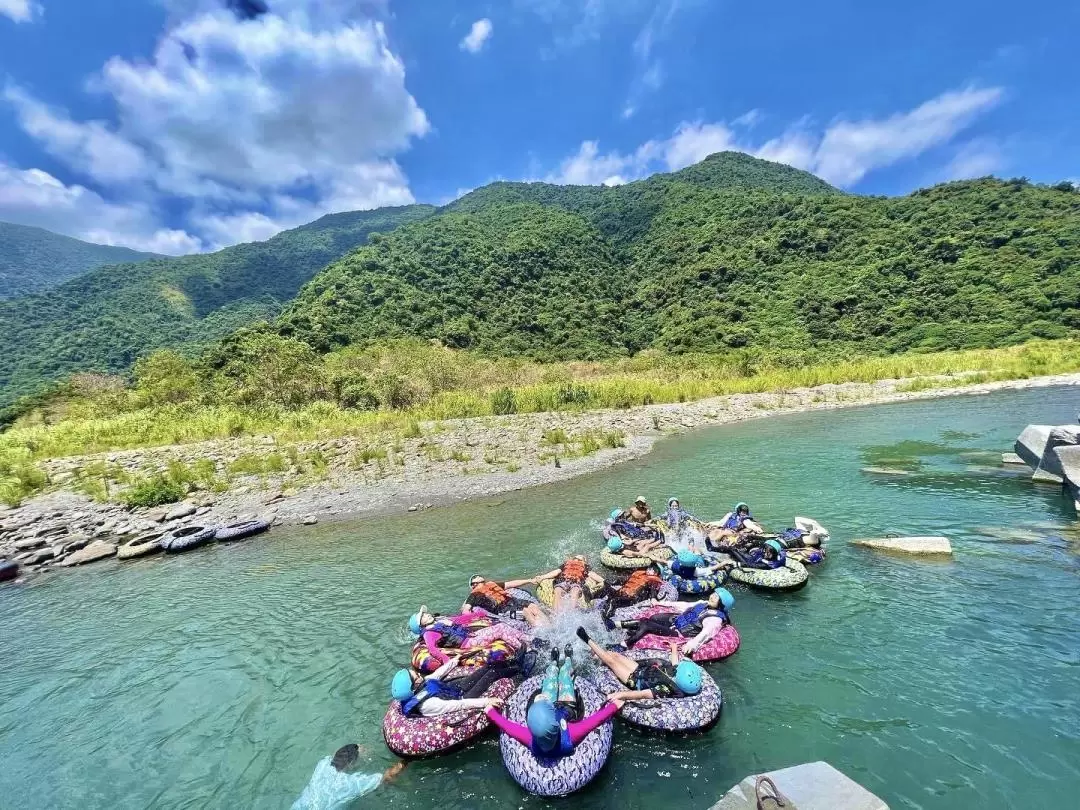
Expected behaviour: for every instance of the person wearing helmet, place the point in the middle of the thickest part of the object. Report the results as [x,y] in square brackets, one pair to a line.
[655,678]
[434,695]
[494,597]
[689,564]
[697,621]
[675,515]
[571,580]
[552,728]
[441,633]
[767,556]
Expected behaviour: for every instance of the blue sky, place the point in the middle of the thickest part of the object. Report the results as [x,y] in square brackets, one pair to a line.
[186,125]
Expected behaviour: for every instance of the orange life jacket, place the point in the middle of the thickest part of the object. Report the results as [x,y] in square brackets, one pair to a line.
[639,583]
[494,595]
[574,570]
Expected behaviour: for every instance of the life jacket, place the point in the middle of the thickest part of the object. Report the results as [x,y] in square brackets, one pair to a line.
[638,584]
[684,571]
[566,745]
[432,688]
[452,635]
[690,618]
[574,570]
[779,562]
[736,521]
[791,538]
[654,675]
[492,595]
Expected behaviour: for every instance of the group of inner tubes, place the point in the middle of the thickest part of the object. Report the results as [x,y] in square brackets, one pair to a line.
[552,668]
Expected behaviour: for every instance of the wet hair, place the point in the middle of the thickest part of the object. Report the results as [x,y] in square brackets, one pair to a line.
[345,756]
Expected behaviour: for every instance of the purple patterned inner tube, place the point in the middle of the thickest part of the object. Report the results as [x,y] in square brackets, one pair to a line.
[417,737]
[695,713]
[562,775]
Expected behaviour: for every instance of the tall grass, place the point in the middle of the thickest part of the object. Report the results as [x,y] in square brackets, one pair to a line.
[488,389]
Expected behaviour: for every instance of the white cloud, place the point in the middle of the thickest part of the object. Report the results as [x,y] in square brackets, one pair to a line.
[849,149]
[976,158]
[842,154]
[34,197]
[479,34]
[298,111]
[748,119]
[20,10]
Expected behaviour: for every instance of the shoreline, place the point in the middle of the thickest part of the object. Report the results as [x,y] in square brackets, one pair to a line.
[438,468]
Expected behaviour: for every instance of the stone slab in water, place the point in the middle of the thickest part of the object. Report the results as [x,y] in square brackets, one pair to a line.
[885,471]
[908,545]
[1053,464]
[1011,458]
[1032,443]
[98,550]
[813,786]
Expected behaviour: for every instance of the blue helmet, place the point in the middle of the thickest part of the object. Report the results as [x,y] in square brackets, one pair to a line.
[688,677]
[726,599]
[414,624]
[689,559]
[543,724]
[615,544]
[741,505]
[401,687]
[774,545]
[615,514]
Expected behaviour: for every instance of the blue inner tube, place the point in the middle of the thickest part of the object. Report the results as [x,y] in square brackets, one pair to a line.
[683,714]
[186,539]
[238,531]
[555,777]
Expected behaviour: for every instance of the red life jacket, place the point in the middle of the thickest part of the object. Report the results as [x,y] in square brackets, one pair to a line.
[639,584]
[574,570]
[492,595]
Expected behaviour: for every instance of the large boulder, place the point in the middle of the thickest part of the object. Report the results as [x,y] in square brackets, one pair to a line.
[98,550]
[1051,468]
[908,545]
[181,510]
[813,786]
[1032,443]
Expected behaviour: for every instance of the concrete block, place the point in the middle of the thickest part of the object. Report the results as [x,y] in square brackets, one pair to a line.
[813,786]
[1032,443]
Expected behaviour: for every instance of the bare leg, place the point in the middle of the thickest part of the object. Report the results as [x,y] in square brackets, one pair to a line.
[620,665]
[535,616]
[576,599]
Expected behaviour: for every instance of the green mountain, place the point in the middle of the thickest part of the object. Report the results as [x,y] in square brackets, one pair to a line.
[105,319]
[682,266]
[34,259]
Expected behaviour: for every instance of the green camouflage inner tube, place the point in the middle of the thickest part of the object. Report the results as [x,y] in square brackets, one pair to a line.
[140,546]
[789,578]
[621,562]
[545,592]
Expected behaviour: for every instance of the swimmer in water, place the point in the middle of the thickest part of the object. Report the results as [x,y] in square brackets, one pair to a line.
[332,787]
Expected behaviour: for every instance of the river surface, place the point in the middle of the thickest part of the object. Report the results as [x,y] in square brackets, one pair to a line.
[217,679]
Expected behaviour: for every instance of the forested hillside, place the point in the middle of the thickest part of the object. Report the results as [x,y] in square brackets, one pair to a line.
[34,259]
[104,320]
[693,268]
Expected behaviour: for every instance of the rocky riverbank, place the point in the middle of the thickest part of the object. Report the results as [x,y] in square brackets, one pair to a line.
[448,462]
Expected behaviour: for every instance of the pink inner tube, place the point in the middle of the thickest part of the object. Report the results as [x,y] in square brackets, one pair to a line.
[719,647]
[430,736]
[497,632]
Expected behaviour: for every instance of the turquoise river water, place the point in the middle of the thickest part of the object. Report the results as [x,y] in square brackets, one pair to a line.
[217,679]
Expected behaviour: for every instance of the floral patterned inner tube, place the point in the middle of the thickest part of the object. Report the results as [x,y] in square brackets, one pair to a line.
[719,647]
[430,736]
[563,775]
[666,714]
[789,578]
[696,586]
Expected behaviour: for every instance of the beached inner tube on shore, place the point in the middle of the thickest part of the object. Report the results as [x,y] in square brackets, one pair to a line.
[555,777]
[238,531]
[695,713]
[417,737]
[140,546]
[186,539]
[9,569]
[789,578]
[622,562]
